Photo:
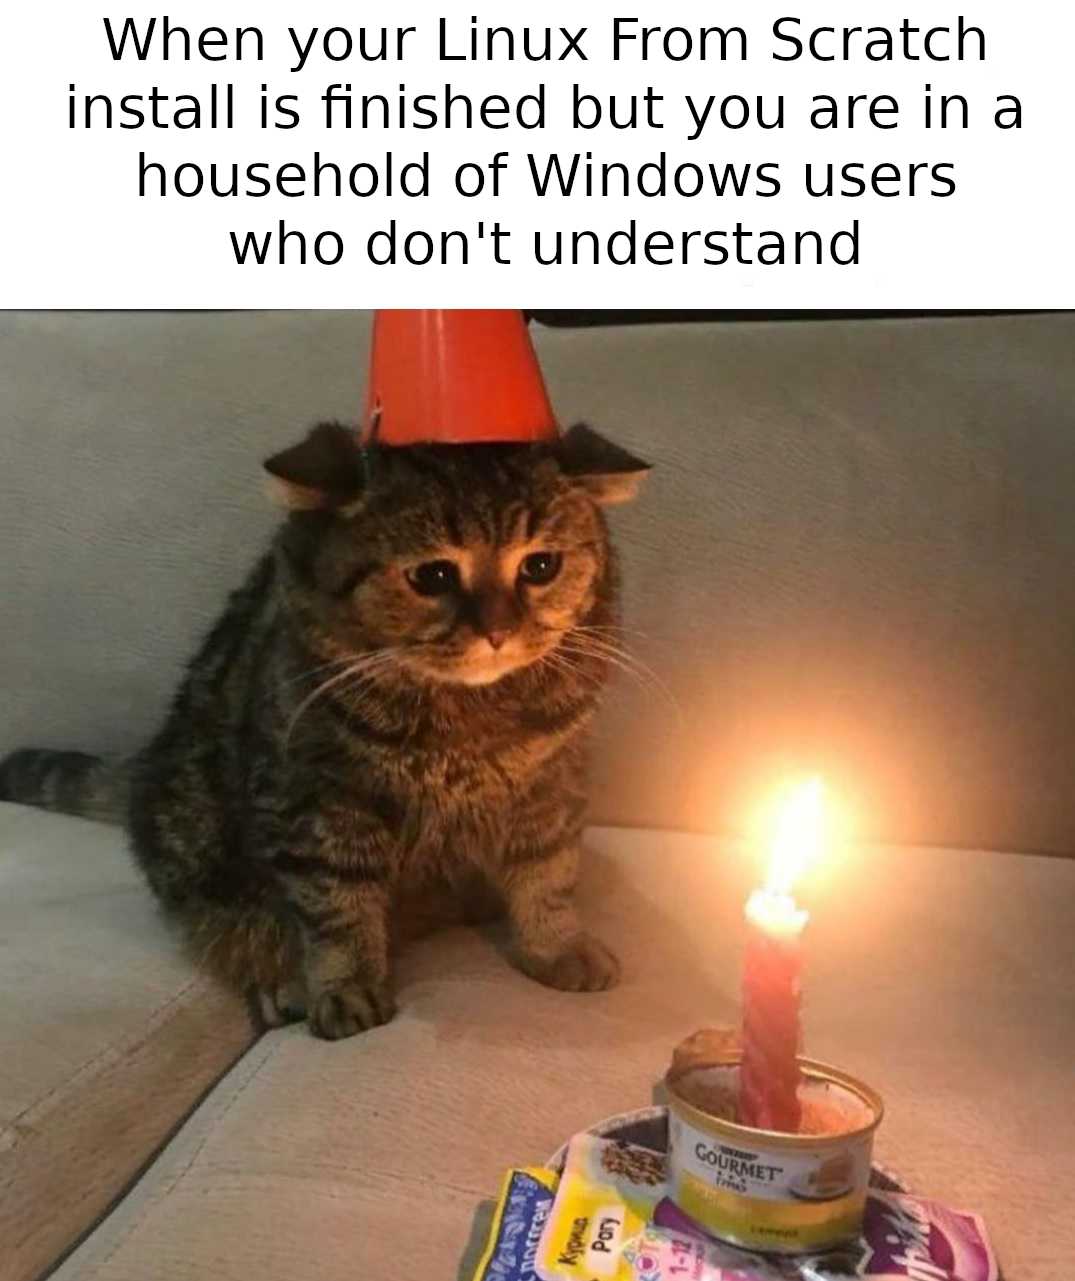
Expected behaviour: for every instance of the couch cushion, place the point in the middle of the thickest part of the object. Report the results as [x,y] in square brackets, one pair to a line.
[109,1037]
[941,977]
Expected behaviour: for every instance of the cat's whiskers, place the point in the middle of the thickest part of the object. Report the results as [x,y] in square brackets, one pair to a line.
[356,679]
[341,661]
[361,670]
[560,663]
[608,629]
[582,641]
[598,647]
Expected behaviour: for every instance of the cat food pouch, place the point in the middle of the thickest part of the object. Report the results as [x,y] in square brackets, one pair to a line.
[606,1198]
[600,1227]
[526,1198]
[910,1237]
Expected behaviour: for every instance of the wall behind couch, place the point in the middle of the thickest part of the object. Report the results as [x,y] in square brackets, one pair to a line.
[855,553]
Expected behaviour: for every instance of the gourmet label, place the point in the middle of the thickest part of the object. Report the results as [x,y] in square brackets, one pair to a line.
[769,1196]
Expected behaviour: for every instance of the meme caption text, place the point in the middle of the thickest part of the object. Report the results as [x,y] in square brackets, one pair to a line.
[760,139]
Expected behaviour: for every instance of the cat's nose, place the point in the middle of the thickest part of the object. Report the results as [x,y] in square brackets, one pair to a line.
[496,617]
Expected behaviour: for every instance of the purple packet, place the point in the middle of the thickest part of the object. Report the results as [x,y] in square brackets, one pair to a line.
[908,1236]
[904,1238]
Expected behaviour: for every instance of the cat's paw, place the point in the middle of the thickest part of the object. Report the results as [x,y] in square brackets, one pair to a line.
[283,1004]
[350,1008]
[585,965]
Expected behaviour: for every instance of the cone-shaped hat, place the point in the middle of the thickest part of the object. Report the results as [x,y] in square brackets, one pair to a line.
[454,377]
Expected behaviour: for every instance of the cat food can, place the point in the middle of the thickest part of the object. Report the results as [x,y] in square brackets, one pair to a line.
[762,1190]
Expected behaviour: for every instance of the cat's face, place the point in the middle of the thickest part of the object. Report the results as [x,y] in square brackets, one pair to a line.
[477,580]
[457,564]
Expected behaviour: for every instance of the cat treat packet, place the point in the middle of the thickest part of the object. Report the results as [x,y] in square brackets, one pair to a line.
[525,1201]
[909,1238]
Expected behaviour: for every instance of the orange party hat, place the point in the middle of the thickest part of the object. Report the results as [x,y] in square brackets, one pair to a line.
[454,377]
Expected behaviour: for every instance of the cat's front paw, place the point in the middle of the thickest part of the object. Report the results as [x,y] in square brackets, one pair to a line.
[350,1008]
[585,965]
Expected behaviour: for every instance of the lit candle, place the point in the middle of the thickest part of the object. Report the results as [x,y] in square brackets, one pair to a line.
[769,1076]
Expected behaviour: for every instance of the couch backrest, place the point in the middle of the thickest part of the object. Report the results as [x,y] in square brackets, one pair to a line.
[856,553]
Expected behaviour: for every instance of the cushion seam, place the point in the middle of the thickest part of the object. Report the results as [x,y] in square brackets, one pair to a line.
[155,1200]
[121,1043]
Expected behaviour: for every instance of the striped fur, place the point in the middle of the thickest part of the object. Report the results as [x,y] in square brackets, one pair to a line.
[67,782]
[346,754]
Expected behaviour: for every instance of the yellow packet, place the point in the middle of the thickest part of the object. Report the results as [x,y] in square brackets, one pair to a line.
[522,1210]
[606,1199]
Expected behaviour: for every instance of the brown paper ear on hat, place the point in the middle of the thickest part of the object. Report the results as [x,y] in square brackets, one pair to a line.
[609,473]
[321,473]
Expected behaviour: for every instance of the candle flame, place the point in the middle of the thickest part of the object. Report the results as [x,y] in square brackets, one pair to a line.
[798,836]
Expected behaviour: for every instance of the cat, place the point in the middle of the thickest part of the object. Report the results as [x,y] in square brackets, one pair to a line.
[391,712]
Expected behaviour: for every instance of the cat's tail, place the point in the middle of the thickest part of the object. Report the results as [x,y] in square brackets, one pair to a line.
[67,782]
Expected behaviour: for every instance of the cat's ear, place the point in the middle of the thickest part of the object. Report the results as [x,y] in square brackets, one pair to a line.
[609,473]
[321,473]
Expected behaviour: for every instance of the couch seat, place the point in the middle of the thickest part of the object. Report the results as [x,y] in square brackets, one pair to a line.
[107,1037]
[941,976]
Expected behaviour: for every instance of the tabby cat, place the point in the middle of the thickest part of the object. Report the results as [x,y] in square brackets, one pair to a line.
[390,715]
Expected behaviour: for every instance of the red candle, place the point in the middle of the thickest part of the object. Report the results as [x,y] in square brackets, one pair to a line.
[772,968]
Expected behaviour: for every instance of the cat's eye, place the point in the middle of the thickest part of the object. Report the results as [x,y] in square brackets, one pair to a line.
[540,567]
[434,578]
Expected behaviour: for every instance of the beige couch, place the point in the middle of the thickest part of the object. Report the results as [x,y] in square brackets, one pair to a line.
[856,551]
[943,977]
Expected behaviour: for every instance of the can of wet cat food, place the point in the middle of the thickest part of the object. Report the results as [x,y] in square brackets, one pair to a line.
[763,1190]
